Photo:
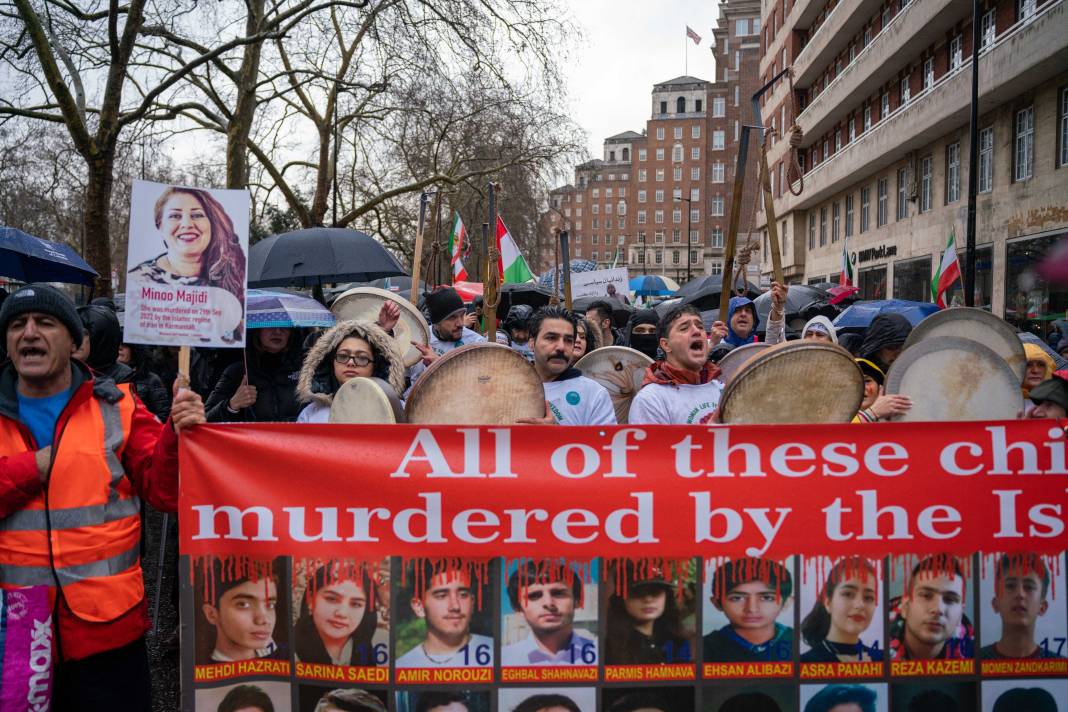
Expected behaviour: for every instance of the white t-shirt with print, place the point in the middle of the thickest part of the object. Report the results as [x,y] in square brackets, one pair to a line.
[657,404]
[580,401]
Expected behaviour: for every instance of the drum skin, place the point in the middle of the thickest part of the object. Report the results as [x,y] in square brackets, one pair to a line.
[730,364]
[363,304]
[620,370]
[366,400]
[978,325]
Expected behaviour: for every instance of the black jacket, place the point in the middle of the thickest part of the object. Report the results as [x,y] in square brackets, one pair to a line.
[884,330]
[275,378]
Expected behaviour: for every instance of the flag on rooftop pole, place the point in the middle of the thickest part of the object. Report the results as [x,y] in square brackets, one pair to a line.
[693,35]
[457,237]
[846,277]
[948,273]
[511,265]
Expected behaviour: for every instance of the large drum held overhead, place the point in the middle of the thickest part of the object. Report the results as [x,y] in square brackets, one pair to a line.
[620,370]
[950,378]
[364,303]
[477,384]
[730,364]
[794,382]
[366,400]
[977,325]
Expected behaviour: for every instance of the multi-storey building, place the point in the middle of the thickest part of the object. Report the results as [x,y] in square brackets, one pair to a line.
[882,91]
[658,201]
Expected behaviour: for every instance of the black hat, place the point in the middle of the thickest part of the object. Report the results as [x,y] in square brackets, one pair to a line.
[642,573]
[43,299]
[443,302]
[1054,390]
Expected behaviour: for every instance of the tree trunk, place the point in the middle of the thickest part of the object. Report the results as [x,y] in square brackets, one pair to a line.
[240,126]
[324,176]
[97,211]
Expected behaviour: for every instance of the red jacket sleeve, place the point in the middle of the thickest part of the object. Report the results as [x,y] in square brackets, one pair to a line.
[151,459]
[19,481]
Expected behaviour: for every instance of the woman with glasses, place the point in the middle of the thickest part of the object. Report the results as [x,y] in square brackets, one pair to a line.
[349,349]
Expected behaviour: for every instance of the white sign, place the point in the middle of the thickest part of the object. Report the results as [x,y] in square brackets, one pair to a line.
[597,283]
[185,267]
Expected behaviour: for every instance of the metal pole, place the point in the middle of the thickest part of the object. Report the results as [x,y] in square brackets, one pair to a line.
[565,255]
[973,160]
[689,242]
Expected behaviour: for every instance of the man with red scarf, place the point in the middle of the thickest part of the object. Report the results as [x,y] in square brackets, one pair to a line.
[684,387]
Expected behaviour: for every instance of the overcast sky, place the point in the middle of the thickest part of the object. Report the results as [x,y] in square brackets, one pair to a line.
[628,47]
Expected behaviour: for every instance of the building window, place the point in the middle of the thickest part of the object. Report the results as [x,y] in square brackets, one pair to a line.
[912,279]
[852,128]
[867,117]
[678,130]
[693,256]
[659,133]
[695,215]
[659,175]
[838,139]
[717,237]
[695,153]
[1062,130]
[902,193]
[719,106]
[904,90]
[607,208]
[659,154]
[612,156]
[641,258]
[676,216]
[641,217]
[659,256]
[695,131]
[674,257]
[717,205]
[676,154]
[641,237]
[718,172]
[697,106]
[849,216]
[595,208]
[826,149]
[953,172]
[926,183]
[880,210]
[676,173]
[622,222]
[658,217]
[741,27]
[693,237]
[836,221]
[1025,8]
[928,73]
[596,223]
[596,194]
[986,159]
[719,140]
[676,236]
[695,173]
[888,14]
[812,230]
[695,194]
[884,105]
[659,197]
[865,209]
[1024,140]
[717,268]
[823,226]
[641,196]
[956,52]
[642,154]
[988,29]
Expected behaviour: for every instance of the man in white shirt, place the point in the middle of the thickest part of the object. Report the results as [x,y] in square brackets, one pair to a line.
[684,388]
[547,594]
[446,605]
[447,330]
[572,399]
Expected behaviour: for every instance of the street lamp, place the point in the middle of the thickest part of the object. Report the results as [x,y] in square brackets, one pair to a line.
[677,195]
[621,211]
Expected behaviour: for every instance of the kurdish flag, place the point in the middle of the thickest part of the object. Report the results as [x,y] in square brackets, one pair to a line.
[512,267]
[948,273]
[457,237]
[846,277]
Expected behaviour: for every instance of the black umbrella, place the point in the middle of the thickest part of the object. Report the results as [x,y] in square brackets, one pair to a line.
[34,259]
[802,301]
[305,258]
[529,293]
[704,291]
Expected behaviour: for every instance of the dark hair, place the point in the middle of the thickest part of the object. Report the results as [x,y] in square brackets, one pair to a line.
[308,644]
[223,264]
[429,700]
[350,700]
[663,328]
[1032,699]
[602,307]
[735,572]
[225,578]
[934,701]
[833,695]
[541,572]
[750,702]
[640,700]
[816,625]
[593,335]
[244,696]
[1026,563]
[550,312]
[625,645]
[936,564]
[541,702]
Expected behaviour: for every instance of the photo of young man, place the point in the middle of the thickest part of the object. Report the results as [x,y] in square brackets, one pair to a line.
[1047,695]
[843,698]
[539,623]
[748,612]
[319,699]
[442,621]
[443,701]
[260,696]
[928,619]
[542,699]
[931,696]
[238,620]
[648,699]
[1025,618]
[721,697]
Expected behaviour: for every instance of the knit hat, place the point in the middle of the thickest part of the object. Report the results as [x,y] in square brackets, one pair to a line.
[443,302]
[1054,390]
[43,299]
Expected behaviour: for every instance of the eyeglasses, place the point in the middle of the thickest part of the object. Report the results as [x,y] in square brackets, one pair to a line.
[357,359]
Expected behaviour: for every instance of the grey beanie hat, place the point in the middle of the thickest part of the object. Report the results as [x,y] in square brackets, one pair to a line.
[39,297]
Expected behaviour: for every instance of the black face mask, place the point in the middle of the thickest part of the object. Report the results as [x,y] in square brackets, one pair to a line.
[646,343]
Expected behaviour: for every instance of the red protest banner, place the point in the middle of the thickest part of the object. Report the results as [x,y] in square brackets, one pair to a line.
[666,491]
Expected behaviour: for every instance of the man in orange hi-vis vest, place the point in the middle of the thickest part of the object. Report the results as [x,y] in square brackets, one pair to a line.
[77,453]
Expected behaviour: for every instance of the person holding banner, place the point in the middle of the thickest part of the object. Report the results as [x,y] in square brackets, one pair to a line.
[90,449]
[346,350]
[261,387]
[684,387]
[842,612]
[337,619]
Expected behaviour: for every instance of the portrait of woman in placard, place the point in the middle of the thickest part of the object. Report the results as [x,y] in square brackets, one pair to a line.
[844,619]
[868,697]
[337,616]
[644,619]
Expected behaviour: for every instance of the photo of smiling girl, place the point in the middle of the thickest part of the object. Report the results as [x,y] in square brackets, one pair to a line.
[337,616]
[844,622]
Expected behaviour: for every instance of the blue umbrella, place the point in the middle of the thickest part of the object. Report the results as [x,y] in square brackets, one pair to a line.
[860,314]
[267,309]
[34,259]
[649,285]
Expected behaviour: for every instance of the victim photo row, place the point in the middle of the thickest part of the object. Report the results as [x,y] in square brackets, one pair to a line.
[419,621]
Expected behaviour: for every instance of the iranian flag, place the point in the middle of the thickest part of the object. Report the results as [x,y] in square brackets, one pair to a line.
[511,267]
[948,273]
[456,248]
[845,278]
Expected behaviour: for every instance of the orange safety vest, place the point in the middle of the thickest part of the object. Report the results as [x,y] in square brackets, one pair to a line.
[83,533]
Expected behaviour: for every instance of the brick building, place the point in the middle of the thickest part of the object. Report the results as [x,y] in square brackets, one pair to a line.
[661,193]
[882,91]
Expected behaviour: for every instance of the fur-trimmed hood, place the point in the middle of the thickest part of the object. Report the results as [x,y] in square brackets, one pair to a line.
[317,382]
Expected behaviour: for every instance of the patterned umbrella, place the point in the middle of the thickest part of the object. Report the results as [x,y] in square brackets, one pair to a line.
[653,285]
[267,309]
